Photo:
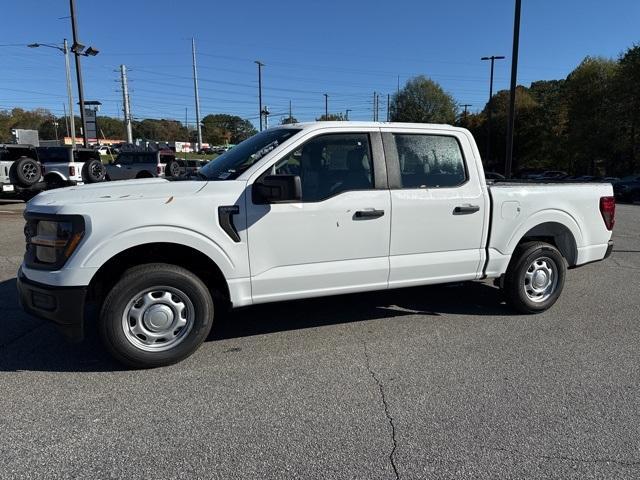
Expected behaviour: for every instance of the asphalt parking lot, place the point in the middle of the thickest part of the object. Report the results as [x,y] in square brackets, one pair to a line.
[438,382]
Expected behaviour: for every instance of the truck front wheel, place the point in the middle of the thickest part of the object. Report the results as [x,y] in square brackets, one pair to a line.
[155,315]
[535,277]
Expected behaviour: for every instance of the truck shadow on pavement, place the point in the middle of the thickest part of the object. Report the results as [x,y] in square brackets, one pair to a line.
[30,344]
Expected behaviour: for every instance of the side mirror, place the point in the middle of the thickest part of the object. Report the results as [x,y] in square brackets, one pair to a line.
[277,188]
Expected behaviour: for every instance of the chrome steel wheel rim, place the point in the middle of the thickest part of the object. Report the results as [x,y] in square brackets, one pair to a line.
[541,279]
[158,318]
[29,170]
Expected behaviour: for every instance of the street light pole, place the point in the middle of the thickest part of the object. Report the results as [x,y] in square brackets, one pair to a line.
[512,96]
[72,120]
[197,97]
[65,50]
[260,65]
[77,53]
[326,106]
[493,58]
[347,113]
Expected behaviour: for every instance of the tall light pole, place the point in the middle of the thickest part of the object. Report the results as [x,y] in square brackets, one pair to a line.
[125,103]
[78,50]
[65,50]
[493,58]
[260,65]
[512,96]
[326,106]
[197,97]
[346,117]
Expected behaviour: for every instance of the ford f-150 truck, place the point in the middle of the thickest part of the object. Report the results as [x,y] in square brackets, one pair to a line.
[299,211]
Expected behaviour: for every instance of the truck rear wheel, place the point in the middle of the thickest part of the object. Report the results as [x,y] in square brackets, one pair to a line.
[535,277]
[155,315]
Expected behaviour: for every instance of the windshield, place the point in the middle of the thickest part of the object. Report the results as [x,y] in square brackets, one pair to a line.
[232,163]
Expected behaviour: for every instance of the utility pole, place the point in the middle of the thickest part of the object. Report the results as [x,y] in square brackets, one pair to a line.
[195,88]
[326,106]
[125,103]
[465,106]
[260,65]
[512,96]
[374,106]
[77,53]
[493,58]
[290,115]
[388,103]
[72,120]
[346,117]
[66,118]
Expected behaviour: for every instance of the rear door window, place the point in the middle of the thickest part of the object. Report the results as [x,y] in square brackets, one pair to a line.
[430,161]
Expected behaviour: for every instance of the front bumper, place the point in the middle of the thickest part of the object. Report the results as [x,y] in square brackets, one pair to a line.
[64,306]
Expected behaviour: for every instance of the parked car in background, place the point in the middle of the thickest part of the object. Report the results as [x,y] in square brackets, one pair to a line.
[148,164]
[64,166]
[300,211]
[105,150]
[20,171]
[627,189]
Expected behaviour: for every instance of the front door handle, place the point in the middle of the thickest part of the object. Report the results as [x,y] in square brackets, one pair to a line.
[466,209]
[373,213]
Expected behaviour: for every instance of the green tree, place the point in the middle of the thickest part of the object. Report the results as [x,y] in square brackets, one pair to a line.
[626,111]
[424,101]
[332,117]
[222,128]
[588,96]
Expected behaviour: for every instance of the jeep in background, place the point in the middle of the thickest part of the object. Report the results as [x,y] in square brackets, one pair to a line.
[147,164]
[64,166]
[20,171]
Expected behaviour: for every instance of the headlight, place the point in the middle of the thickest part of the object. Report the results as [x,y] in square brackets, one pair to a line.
[51,239]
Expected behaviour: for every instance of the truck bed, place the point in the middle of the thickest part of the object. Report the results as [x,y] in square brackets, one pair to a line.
[517,208]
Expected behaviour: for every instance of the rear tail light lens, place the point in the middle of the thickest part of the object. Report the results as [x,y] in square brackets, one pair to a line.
[608,211]
[160,169]
[72,171]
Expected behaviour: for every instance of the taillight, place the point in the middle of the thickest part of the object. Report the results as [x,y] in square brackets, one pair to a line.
[608,211]
[160,169]
[72,170]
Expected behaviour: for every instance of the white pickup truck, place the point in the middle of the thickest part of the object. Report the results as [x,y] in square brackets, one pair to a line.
[299,211]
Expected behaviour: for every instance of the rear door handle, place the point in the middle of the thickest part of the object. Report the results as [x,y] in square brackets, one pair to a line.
[465,209]
[373,213]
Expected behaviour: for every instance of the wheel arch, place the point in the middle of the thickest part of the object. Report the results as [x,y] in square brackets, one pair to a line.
[160,252]
[557,234]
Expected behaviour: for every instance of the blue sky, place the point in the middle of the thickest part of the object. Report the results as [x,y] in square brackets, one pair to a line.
[348,49]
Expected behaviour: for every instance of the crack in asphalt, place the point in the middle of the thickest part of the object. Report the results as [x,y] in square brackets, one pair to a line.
[564,457]
[383,398]
[627,267]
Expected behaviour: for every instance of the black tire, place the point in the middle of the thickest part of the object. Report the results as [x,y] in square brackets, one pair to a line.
[93,171]
[25,171]
[172,169]
[519,287]
[127,341]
